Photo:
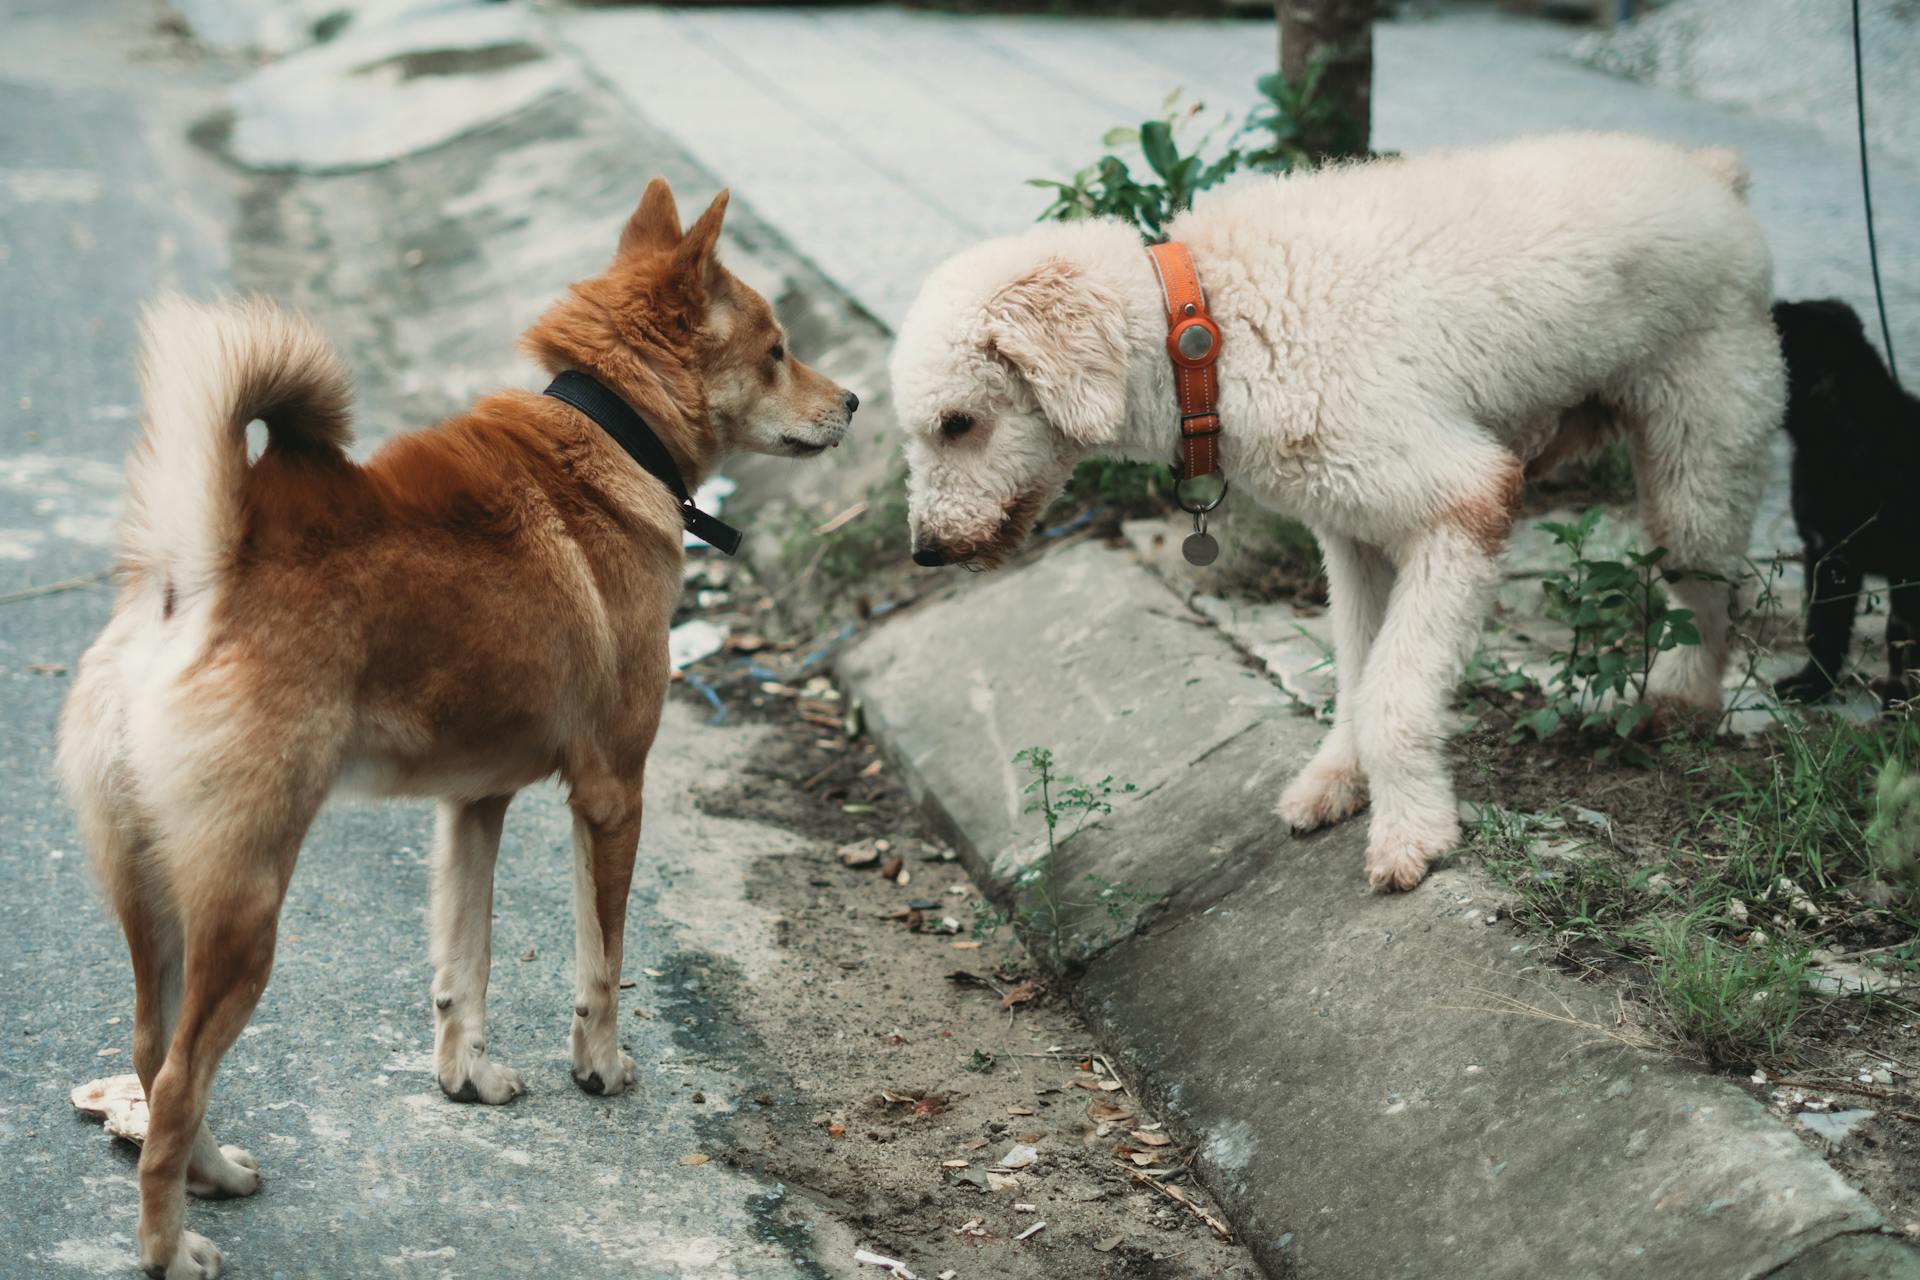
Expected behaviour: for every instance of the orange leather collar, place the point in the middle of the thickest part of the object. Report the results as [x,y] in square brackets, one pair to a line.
[1193,344]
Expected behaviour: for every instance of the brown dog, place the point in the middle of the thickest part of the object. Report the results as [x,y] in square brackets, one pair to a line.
[482,605]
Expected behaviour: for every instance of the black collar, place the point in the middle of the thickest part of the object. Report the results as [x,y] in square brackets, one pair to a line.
[631,432]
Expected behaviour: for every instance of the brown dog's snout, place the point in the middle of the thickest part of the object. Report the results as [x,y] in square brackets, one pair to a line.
[928,553]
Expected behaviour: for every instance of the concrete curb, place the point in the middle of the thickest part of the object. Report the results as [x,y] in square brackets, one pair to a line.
[1368,1091]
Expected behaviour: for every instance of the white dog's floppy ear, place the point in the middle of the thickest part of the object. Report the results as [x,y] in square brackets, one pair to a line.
[1067,336]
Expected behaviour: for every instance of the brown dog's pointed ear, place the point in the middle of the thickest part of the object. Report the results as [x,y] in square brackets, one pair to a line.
[697,251]
[655,224]
[1067,336]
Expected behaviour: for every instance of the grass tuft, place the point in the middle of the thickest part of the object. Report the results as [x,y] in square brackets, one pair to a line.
[1733,1003]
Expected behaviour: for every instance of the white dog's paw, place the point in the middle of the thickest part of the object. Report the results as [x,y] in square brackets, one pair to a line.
[1323,794]
[194,1258]
[235,1173]
[1683,692]
[1398,853]
[1670,713]
[474,1077]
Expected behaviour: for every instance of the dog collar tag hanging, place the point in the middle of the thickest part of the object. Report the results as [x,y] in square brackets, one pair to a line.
[1199,547]
[1193,344]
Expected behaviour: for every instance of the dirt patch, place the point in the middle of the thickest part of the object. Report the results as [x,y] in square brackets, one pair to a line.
[930,1089]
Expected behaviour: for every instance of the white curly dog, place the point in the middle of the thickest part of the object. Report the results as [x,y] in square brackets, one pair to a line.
[1402,339]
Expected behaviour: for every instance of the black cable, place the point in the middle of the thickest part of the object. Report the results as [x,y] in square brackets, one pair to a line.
[1866,192]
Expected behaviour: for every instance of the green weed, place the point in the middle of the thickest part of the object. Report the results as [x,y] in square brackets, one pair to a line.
[1621,621]
[874,539]
[1293,127]
[1731,1002]
[1066,804]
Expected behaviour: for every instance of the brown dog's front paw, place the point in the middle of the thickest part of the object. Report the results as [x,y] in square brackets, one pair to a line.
[478,1078]
[1323,795]
[194,1257]
[606,1083]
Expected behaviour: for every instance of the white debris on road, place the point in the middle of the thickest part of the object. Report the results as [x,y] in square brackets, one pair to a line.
[894,1266]
[691,641]
[119,1101]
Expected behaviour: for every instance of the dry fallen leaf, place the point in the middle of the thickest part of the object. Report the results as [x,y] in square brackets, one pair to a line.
[955,1164]
[1019,1111]
[1110,1244]
[644,1013]
[1002,1181]
[628,982]
[964,946]
[1151,1139]
[836,1130]
[693,1159]
[1020,995]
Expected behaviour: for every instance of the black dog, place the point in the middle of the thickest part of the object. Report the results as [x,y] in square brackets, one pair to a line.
[1856,492]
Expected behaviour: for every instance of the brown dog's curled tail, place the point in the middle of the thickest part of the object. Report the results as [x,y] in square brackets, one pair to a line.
[206,372]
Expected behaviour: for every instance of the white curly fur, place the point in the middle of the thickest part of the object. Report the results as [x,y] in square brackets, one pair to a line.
[1399,339]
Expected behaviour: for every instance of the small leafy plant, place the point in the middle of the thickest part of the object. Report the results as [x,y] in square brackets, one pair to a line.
[1066,804]
[1293,127]
[1621,622]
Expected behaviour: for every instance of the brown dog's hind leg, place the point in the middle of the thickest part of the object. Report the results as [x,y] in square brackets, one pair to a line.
[229,914]
[466,841]
[606,836]
[156,944]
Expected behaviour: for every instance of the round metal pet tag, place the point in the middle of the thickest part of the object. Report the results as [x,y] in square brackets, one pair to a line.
[1200,549]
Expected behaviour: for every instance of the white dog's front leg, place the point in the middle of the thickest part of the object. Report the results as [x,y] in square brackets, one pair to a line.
[1433,618]
[1334,785]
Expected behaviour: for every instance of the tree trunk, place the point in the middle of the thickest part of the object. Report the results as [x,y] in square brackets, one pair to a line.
[1341,31]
